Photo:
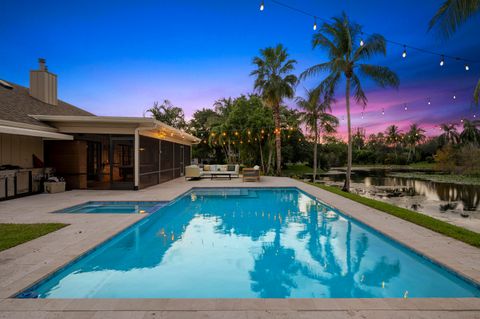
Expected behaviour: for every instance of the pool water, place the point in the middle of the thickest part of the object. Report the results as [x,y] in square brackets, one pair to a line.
[114,208]
[250,243]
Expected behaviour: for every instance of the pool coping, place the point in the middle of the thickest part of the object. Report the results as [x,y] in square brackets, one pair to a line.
[330,304]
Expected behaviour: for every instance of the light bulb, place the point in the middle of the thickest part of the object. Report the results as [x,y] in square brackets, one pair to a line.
[404,54]
[406,108]
[262,6]
[467,67]
[315,24]
[362,43]
[454,97]
[442,61]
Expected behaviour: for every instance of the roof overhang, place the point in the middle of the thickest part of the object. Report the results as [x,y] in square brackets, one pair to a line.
[117,125]
[31,132]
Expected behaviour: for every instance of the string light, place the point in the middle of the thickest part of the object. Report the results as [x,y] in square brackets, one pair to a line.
[362,43]
[429,102]
[406,108]
[454,97]
[383,111]
[314,23]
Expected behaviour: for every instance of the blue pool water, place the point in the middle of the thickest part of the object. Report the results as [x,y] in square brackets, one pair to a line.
[250,243]
[114,208]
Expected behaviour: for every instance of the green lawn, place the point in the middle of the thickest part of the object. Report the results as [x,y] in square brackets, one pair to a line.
[12,235]
[462,234]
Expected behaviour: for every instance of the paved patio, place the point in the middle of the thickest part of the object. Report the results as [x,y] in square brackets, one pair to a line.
[25,264]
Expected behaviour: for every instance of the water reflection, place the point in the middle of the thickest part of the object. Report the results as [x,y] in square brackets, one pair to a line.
[468,196]
[252,243]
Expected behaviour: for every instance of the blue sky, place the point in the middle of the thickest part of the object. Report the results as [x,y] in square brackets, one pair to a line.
[118,57]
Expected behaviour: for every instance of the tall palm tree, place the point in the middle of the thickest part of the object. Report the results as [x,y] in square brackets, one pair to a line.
[341,40]
[315,115]
[450,16]
[413,137]
[450,134]
[470,133]
[274,82]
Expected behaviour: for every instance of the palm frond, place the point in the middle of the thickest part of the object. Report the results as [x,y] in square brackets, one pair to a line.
[358,93]
[374,44]
[382,75]
[476,93]
[452,14]
[316,70]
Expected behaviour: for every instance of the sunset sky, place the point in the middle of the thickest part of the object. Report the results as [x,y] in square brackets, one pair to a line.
[118,57]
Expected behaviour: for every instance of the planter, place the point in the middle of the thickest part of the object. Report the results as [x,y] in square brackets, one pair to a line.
[54,187]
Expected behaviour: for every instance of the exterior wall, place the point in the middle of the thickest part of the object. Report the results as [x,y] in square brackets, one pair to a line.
[18,149]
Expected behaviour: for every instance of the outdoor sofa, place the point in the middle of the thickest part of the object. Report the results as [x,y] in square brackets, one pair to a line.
[212,171]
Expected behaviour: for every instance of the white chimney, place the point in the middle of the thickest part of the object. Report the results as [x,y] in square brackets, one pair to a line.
[43,84]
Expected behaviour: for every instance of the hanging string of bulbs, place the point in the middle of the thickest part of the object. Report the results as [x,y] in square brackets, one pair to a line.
[442,56]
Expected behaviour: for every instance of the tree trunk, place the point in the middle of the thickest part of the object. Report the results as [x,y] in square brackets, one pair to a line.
[278,140]
[315,155]
[270,153]
[261,158]
[346,186]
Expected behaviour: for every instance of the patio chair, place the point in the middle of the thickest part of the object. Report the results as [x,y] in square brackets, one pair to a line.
[251,174]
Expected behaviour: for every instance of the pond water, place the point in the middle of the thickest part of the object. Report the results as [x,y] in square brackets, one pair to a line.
[455,203]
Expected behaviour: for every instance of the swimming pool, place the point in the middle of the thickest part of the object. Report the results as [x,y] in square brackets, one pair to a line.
[250,243]
[121,207]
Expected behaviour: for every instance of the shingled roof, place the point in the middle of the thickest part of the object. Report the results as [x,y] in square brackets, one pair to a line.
[16,104]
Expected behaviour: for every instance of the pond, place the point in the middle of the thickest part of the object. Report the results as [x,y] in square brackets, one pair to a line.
[455,203]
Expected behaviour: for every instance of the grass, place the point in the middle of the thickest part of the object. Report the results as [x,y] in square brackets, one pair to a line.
[12,235]
[456,232]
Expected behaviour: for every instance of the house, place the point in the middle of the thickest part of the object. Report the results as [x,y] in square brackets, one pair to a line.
[38,132]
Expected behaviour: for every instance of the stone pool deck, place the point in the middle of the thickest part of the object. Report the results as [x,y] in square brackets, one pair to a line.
[27,263]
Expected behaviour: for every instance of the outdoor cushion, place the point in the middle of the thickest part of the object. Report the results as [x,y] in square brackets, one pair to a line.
[222,168]
[206,168]
[231,168]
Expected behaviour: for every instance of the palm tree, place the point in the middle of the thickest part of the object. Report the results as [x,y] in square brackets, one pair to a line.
[450,134]
[168,114]
[341,40]
[314,115]
[450,16]
[274,82]
[470,133]
[394,135]
[413,137]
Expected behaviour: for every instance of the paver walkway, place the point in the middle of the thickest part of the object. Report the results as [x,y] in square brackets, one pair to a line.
[27,263]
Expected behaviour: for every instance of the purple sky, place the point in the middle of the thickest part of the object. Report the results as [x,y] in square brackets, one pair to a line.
[118,57]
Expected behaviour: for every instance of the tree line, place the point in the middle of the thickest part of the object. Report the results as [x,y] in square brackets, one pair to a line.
[253,128]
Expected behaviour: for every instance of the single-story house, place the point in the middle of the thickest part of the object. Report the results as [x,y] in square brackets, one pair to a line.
[38,132]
